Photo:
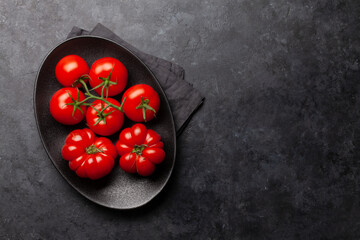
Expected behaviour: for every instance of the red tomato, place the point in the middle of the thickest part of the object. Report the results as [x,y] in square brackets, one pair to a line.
[70,69]
[65,107]
[88,156]
[140,149]
[109,74]
[105,122]
[141,104]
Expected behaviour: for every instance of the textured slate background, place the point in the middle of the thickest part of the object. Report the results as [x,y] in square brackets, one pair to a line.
[272,154]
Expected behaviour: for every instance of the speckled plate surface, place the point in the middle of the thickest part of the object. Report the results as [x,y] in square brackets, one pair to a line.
[118,190]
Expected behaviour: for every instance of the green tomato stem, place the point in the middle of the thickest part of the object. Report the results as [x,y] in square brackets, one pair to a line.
[91,96]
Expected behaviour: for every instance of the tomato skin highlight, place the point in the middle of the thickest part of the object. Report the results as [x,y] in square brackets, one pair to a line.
[152,137]
[113,122]
[88,156]
[106,146]
[62,112]
[133,100]
[69,69]
[128,162]
[144,166]
[140,150]
[138,133]
[102,68]
[154,155]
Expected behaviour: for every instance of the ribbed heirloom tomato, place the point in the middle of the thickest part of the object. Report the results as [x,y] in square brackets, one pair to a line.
[108,75]
[104,120]
[88,156]
[70,69]
[65,106]
[141,103]
[140,150]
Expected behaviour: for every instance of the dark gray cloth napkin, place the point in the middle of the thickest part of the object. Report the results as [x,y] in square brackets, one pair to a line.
[183,98]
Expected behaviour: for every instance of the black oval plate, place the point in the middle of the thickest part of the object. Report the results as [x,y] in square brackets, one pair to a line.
[118,190]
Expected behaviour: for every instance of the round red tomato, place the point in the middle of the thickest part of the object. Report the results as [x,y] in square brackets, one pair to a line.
[70,69]
[140,149]
[108,75]
[141,104]
[105,122]
[88,156]
[65,107]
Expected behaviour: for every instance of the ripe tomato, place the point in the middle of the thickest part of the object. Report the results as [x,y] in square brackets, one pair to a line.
[140,149]
[65,107]
[141,103]
[109,75]
[88,156]
[70,69]
[105,122]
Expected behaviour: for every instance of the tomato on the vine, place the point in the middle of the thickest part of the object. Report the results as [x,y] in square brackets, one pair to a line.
[141,104]
[88,156]
[70,69]
[108,76]
[140,149]
[103,119]
[66,106]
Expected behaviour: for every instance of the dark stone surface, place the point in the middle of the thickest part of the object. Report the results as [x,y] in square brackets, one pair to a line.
[272,154]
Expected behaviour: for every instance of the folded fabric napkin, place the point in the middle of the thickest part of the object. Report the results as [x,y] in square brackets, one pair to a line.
[183,98]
